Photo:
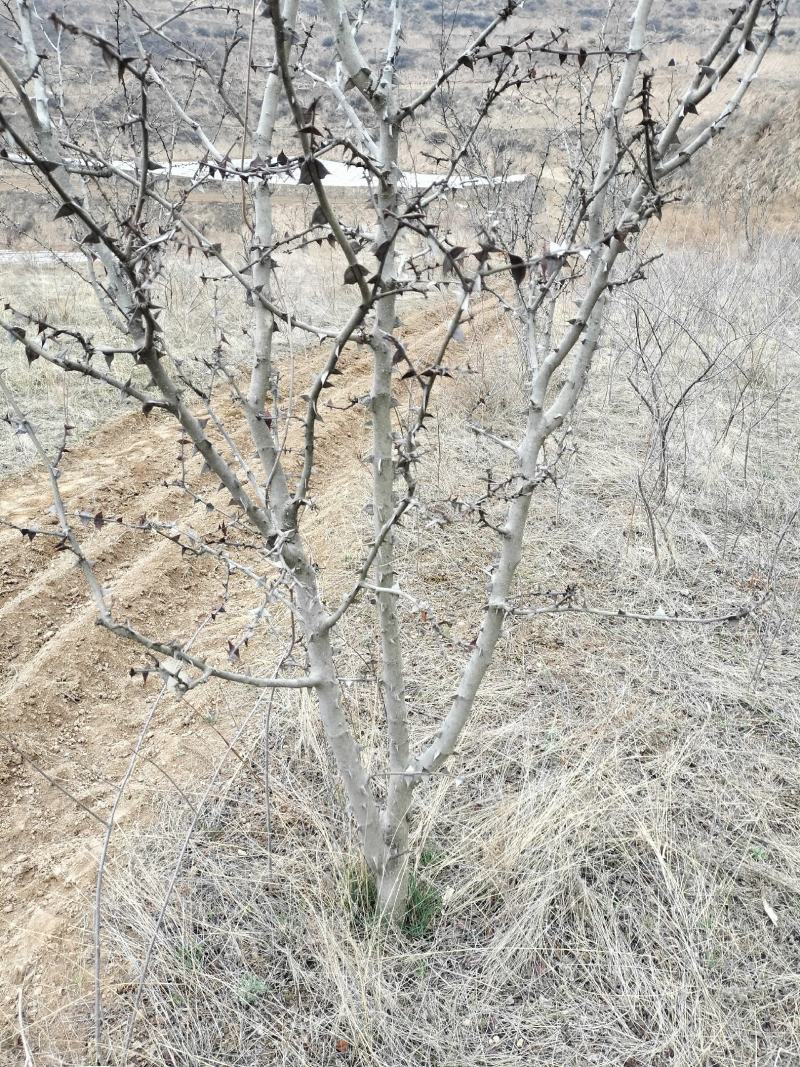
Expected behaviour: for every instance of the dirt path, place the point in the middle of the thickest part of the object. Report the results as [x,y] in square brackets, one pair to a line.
[66,699]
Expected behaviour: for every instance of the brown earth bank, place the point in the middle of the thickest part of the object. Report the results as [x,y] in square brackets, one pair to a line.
[68,705]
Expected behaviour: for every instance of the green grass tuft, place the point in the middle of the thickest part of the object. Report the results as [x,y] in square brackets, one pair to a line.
[424,899]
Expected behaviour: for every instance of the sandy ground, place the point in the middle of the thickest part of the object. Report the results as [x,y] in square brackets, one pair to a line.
[67,700]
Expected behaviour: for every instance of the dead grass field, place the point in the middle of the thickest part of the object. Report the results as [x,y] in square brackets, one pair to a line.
[610,863]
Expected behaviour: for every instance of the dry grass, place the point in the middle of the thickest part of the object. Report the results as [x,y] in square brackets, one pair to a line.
[603,891]
[50,399]
[198,313]
[614,849]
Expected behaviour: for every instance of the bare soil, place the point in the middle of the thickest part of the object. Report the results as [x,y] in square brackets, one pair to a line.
[67,699]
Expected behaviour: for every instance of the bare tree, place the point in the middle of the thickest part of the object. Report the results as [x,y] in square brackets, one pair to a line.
[551,278]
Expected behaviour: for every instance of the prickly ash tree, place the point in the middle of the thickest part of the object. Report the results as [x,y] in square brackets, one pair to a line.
[127,221]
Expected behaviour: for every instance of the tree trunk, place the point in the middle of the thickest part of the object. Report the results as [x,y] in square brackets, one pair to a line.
[393,879]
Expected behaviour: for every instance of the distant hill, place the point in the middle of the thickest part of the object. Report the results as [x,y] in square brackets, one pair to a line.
[765,171]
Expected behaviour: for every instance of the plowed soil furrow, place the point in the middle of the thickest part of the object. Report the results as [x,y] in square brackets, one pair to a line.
[66,699]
